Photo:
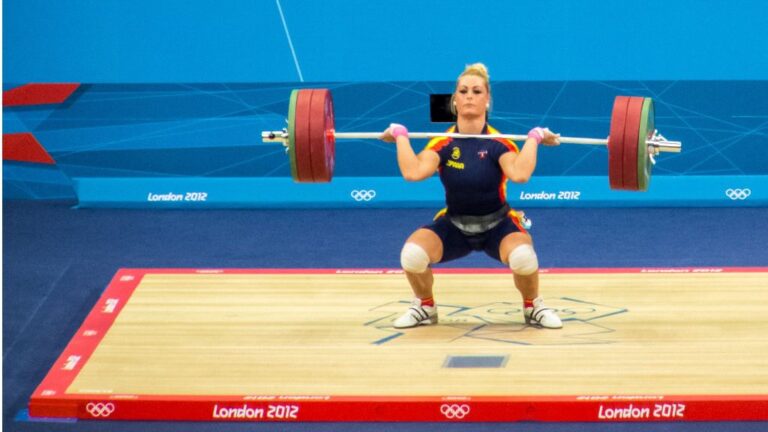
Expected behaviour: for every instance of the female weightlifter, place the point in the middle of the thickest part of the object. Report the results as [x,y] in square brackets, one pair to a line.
[474,173]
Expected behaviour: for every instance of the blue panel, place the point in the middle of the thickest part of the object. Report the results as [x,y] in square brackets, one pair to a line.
[396,40]
[35,181]
[386,192]
[213,130]
[144,41]
[529,40]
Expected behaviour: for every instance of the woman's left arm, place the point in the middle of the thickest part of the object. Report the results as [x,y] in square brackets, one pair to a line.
[519,167]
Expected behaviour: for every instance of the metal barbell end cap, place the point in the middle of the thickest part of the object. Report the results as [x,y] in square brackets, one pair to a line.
[274,136]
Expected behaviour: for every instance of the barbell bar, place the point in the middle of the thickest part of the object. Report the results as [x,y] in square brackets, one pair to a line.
[662,144]
[310,139]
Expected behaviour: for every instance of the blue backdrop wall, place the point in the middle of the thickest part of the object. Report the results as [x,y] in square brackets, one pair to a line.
[174,94]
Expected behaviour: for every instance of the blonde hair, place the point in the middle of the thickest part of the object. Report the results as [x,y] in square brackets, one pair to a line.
[476,69]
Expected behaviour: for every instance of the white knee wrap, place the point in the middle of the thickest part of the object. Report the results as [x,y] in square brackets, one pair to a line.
[523,260]
[413,258]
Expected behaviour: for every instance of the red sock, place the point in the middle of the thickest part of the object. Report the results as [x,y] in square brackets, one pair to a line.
[528,303]
[428,302]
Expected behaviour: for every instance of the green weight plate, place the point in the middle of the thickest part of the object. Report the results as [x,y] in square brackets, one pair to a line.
[291,134]
[647,127]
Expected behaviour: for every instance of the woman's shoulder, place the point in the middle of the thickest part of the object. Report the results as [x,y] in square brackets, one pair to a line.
[508,143]
[439,142]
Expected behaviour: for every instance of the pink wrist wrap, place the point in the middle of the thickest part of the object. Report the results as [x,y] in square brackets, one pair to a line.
[536,133]
[398,130]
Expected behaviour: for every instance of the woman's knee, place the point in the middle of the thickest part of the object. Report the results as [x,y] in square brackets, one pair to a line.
[518,253]
[522,260]
[422,248]
[413,258]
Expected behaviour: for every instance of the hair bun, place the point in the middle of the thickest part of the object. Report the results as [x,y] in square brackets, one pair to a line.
[478,69]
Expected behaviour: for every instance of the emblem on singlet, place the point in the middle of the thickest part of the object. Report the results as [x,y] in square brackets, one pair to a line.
[455,155]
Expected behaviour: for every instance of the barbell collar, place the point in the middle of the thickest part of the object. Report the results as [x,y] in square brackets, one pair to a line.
[274,136]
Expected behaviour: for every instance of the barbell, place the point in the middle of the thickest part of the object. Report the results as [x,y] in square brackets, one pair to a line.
[310,139]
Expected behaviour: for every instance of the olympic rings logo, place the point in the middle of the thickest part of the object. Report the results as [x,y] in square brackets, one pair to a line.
[363,195]
[454,411]
[738,194]
[98,409]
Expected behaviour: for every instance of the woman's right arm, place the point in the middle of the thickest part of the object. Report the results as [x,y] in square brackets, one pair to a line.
[413,167]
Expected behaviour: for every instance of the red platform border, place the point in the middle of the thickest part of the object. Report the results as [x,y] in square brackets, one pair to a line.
[50,398]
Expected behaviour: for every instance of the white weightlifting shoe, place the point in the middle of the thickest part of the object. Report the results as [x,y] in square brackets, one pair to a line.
[417,315]
[542,316]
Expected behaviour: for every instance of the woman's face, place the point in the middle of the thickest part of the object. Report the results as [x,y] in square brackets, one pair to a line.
[471,97]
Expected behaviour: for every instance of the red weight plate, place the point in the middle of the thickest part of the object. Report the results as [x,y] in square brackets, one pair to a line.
[330,140]
[631,136]
[321,135]
[302,137]
[616,142]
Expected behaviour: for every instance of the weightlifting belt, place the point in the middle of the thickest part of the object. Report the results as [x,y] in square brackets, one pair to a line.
[473,224]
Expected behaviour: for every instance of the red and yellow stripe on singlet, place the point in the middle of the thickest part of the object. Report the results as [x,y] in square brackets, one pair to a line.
[508,143]
[516,218]
[438,143]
